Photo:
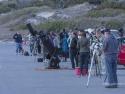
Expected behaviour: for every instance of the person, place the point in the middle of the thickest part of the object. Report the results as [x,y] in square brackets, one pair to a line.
[83,46]
[73,50]
[110,49]
[121,32]
[65,48]
[63,34]
[56,41]
[18,40]
[69,39]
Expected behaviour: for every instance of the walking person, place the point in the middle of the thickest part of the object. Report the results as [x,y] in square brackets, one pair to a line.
[18,40]
[83,46]
[110,49]
[73,51]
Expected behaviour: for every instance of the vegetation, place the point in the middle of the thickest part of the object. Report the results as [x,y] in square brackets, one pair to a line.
[112,4]
[105,12]
[22,13]
[107,8]
[115,24]
[4,9]
[62,3]
[55,25]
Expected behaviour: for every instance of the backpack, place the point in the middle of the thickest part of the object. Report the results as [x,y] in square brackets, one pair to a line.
[26,53]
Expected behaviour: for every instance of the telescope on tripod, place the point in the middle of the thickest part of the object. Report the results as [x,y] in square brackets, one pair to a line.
[52,55]
[96,56]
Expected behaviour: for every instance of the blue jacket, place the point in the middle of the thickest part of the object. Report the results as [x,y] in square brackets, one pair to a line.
[65,45]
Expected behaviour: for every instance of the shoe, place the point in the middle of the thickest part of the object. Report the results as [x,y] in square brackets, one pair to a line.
[111,86]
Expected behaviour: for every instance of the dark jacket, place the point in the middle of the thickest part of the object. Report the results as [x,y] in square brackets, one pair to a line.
[73,44]
[18,38]
[83,45]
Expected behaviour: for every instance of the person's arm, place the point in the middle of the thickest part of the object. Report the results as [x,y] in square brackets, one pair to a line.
[105,45]
[78,45]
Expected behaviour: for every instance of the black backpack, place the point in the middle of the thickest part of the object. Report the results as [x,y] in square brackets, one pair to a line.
[26,53]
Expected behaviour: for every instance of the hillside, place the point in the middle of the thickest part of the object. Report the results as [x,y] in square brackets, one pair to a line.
[80,15]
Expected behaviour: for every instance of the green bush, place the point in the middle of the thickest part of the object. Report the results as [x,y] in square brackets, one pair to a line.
[112,4]
[18,27]
[114,24]
[55,25]
[105,13]
[4,9]
[22,13]
[34,3]
[38,3]
[62,3]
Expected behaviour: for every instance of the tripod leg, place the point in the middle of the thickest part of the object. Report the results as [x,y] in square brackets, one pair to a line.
[99,66]
[105,79]
[92,62]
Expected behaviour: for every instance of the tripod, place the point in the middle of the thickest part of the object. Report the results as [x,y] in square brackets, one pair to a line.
[35,51]
[97,66]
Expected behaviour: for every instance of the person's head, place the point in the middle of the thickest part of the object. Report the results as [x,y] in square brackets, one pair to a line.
[98,33]
[73,34]
[82,33]
[64,30]
[107,32]
[121,32]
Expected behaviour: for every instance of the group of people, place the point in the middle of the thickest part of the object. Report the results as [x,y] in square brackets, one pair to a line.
[76,46]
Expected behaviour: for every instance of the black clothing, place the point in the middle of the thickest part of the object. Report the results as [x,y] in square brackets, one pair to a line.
[18,38]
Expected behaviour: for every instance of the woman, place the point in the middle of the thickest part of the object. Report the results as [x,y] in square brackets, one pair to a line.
[83,46]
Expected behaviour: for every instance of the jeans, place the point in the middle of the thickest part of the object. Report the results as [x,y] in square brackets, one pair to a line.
[73,58]
[84,60]
[111,68]
[19,47]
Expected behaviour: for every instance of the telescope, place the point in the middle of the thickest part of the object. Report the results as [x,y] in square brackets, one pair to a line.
[52,51]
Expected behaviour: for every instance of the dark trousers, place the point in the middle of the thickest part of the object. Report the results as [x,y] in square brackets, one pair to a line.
[73,58]
[84,60]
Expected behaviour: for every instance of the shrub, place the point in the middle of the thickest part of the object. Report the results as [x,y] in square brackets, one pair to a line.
[114,24]
[112,4]
[55,25]
[62,3]
[4,9]
[105,13]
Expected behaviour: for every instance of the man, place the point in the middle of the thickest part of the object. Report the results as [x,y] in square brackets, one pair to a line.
[83,46]
[73,51]
[110,49]
[18,39]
